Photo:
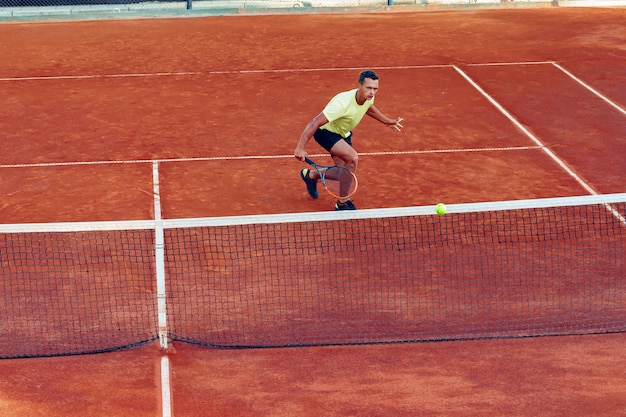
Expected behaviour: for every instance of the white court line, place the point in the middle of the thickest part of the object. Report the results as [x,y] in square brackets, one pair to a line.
[82,77]
[256,71]
[500,64]
[251,157]
[295,70]
[427,151]
[156,190]
[243,72]
[173,74]
[588,87]
[166,392]
[527,132]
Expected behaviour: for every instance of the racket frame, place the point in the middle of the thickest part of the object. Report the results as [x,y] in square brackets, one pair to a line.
[321,169]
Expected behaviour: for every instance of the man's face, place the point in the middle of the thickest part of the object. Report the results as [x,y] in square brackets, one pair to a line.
[367,90]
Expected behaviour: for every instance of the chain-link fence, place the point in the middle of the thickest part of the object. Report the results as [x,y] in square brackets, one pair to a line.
[17,8]
[263,4]
[29,9]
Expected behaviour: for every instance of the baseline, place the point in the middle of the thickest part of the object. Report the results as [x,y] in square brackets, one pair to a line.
[254,71]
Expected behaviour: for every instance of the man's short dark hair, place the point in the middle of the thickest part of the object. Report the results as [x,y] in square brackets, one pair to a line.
[367,74]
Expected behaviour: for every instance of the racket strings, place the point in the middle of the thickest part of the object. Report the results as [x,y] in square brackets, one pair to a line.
[340,181]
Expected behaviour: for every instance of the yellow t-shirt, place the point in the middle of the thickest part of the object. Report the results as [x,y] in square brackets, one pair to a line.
[344,113]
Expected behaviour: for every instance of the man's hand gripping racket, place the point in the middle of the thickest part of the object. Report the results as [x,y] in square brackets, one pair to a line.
[338,181]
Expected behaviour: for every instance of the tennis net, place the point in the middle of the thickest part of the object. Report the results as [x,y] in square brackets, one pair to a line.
[486,270]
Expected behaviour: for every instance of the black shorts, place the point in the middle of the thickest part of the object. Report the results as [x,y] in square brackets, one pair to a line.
[327,139]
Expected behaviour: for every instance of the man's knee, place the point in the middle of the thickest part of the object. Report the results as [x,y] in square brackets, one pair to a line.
[349,160]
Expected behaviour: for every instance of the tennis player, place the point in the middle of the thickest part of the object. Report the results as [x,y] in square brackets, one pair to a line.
[332,129]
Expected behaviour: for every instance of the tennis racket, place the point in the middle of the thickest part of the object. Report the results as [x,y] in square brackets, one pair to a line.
[338,181]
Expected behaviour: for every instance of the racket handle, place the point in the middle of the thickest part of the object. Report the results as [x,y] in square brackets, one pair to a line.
[308,161]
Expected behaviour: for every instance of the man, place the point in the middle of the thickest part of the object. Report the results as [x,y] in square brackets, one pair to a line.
[332,129]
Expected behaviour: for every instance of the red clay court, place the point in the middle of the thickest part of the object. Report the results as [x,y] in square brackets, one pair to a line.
[501,104]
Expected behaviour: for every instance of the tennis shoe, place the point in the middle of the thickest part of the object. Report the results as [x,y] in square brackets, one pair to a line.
[311,185]
[346,205]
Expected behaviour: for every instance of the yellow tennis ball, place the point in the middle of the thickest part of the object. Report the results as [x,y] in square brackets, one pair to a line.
[440,209]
